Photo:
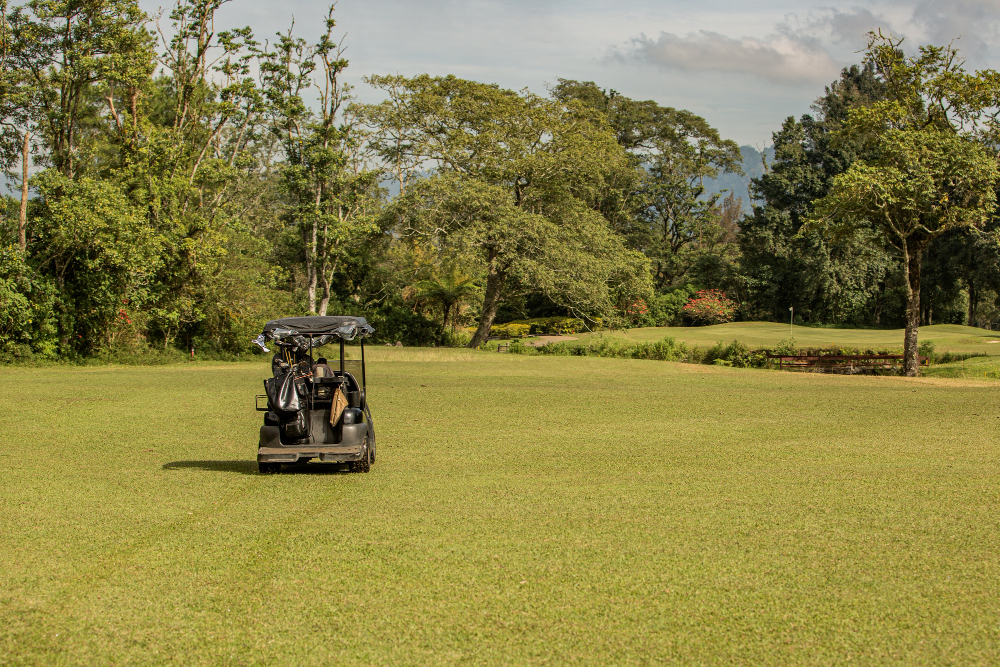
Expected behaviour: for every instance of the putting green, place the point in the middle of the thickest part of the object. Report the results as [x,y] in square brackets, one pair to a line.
[523,509]
[946,337]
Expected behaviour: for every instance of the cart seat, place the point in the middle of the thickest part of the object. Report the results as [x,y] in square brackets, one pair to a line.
[350,382]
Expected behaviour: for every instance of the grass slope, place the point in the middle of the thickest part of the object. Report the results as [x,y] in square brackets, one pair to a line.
[523,509]
[946,337]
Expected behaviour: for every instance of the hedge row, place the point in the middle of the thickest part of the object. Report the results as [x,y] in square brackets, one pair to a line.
[554,326]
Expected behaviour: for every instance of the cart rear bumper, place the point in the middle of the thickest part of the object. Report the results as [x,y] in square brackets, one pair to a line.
[350,448]
[333,453]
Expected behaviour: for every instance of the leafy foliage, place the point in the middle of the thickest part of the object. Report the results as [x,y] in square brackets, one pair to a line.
[554,326]
[927,171]
[667,349]
[662,208]
[449,290]
[710,307]
[517,195]
[848,278]
[510,330]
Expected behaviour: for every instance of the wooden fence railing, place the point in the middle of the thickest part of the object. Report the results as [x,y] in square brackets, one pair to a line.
[841,363]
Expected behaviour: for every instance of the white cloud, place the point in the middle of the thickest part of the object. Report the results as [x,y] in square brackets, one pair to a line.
[853,26]
[782,58]
[773,56]
[833,26]
[973,24]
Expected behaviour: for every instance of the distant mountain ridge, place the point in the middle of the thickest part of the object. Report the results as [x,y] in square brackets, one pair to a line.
[753,167]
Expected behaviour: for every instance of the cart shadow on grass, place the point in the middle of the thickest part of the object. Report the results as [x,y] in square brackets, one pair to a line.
[245,467]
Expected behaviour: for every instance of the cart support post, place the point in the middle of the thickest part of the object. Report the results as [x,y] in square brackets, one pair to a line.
[364,382]
[341,357]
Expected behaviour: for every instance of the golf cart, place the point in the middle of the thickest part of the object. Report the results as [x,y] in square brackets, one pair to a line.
[314,411]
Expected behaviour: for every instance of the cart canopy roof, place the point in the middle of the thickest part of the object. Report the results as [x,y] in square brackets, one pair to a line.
[295,331]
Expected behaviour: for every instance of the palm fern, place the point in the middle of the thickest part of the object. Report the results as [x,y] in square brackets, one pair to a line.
[449,289]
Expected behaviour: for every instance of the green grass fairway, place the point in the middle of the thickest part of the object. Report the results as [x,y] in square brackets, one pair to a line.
[523,509]
[946,337]
[974,368]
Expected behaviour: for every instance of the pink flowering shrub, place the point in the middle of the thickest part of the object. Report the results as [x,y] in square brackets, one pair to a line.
[636,312]
[710,306]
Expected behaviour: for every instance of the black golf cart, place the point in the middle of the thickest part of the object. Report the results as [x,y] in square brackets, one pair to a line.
[315,410]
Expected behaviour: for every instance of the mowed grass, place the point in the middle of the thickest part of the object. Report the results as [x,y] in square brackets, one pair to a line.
[522,510]
[974,367]
[946,337]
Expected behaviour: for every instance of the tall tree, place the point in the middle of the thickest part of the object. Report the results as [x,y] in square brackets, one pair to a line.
[977,261]
[836,280]
[67,55]
[18,112]
[663,208]
[202,175]
[333,195]
[927,172]
[80,55]
[516,182]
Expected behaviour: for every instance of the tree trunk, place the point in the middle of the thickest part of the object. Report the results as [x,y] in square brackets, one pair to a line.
[311,289]
[911,274]
[327,277]
[447,313]
[312,250]
[312,270]
[328,272]
[324,301]
[62,327]
[22,220]
[491,300]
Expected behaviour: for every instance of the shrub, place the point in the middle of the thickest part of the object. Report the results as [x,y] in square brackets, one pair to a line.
[668,309]
[743,357]
[27,306]
[559,349]
[15,303]
[667,349]
[735,354]
[785,347]
[510,330]
[398,323]
[456,338]
[518,347]
[637,313]
[553,326]
[710,307]
[717,351]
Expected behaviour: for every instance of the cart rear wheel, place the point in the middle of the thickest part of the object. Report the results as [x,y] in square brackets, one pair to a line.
[268,468]
[365,463]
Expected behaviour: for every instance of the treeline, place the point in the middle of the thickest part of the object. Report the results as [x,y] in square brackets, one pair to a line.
[182,185]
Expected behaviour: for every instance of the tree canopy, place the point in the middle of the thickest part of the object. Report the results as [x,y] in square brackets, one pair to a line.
[926,171]
[175,185]
[516,178]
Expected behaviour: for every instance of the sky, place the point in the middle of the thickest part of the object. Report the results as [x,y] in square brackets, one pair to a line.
[743,65]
